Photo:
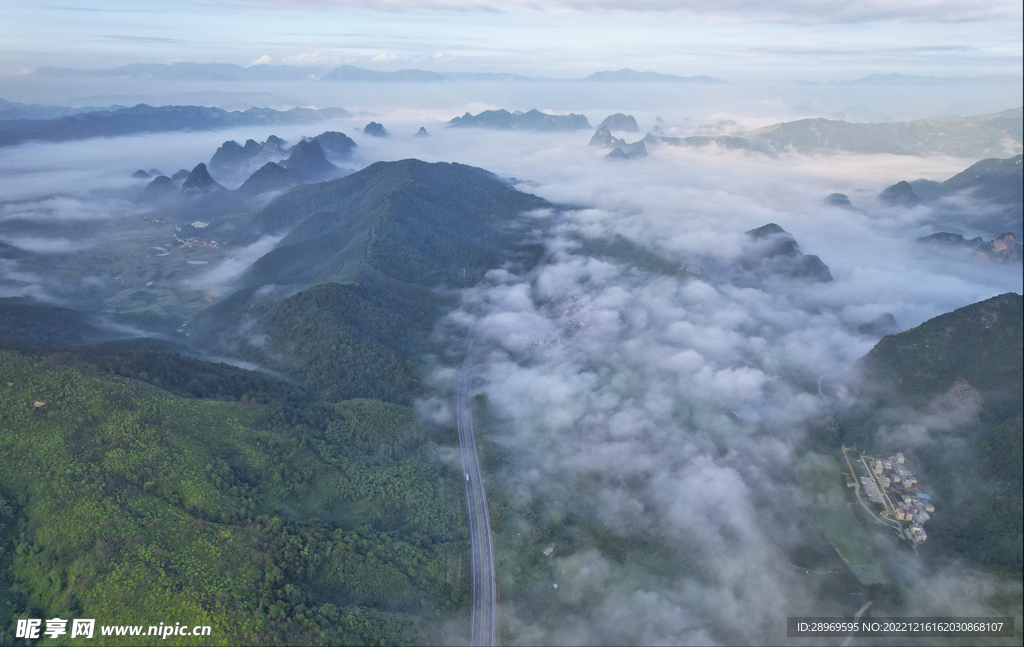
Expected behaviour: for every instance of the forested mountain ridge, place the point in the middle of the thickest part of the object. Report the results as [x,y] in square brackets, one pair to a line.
[978,136]
[416,222]
[276,521]
[957,380]
[295,511]
[150,119]
[980,343]
[998,180]
[518,120]
[376,245]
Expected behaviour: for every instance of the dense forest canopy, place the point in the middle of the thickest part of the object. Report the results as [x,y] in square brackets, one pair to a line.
[960,376]
[143,483]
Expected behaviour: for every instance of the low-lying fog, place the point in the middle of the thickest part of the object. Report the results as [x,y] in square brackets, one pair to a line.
[660,408]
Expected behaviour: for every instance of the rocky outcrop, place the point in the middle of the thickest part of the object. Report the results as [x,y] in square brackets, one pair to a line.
[620,121]
[335,144]
[773,251]
[532,120]
[900,194]
[838,200]
[199,183]
[1003,248]
[628,151]
[269,177]
[231,158]
[309,162]
[160,189]
[604,137]
[373,129]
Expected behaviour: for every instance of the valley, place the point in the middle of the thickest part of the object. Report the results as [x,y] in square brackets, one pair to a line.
[614,358]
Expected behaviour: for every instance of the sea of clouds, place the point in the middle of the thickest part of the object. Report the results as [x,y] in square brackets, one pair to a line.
[663,410]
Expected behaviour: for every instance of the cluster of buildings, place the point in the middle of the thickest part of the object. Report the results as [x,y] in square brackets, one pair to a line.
[198,224]
[897,489]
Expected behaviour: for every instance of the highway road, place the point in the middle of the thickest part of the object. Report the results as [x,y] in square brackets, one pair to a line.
[483,628]
[483,608]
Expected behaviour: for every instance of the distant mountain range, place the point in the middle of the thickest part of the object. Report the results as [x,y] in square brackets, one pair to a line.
[979,136]
[192,72]
[632,76]
[212,98]
[518,120]
[268,166]
[910,79]
[13,110]
[347,73]
[268,72]
[147,119]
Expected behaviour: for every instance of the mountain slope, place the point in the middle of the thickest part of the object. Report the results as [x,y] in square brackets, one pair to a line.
[987,197]
[532,120]
[980,136]
[950,393]
[128,501]
[184,71]
[998,180]
[980,343]
[269,177]
[307,159]
[380,242]
[147,119]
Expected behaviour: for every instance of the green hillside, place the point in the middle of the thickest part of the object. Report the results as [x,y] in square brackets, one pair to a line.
[131,504]
[997,181]
[980,343]
[959,376]
[979,136]
[369,252]
[412,221]
[149,486]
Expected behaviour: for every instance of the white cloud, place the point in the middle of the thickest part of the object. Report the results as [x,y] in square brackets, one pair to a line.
[263,60]
[219,281]
[665,410]
[313,58]
[658,408]
[42,245]
[739,11]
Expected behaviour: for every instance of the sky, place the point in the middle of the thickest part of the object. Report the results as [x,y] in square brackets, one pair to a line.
[732,39]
